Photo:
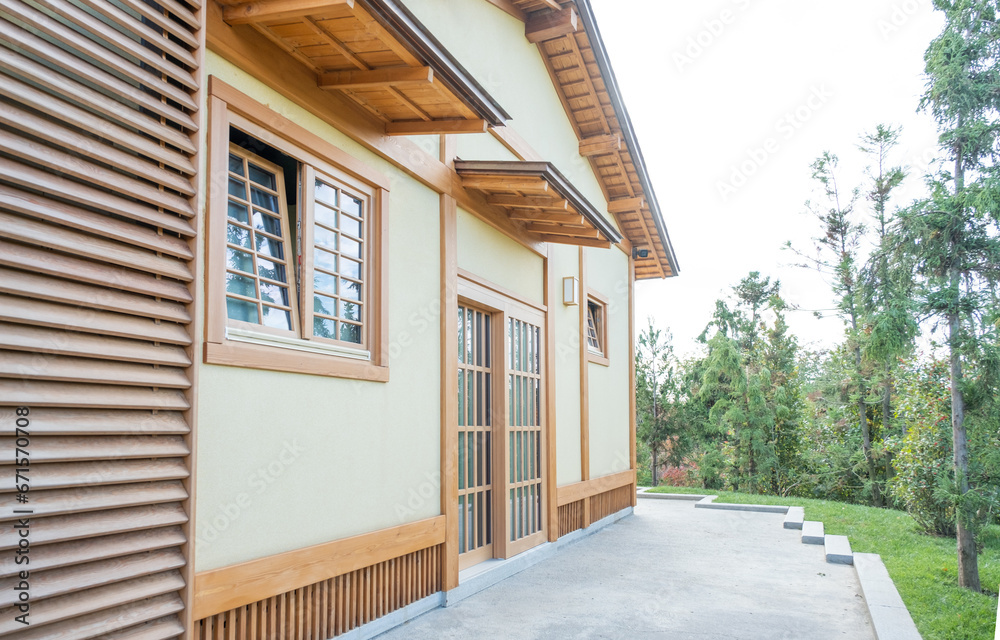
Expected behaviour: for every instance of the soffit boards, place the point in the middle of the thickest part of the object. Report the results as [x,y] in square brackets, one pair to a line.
[537,196]
[378,55]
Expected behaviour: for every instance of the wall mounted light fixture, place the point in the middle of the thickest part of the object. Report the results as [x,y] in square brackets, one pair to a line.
[571,290]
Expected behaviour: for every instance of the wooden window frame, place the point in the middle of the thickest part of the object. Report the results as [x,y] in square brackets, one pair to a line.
[302,353]
[601,303]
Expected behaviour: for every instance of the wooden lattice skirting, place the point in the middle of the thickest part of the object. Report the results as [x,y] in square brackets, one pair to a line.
[572,515]
[331,607]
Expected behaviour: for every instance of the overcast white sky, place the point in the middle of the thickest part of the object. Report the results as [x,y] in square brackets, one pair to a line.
[732,100]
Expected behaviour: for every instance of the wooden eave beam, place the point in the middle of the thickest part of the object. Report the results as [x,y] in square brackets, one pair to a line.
[600,145]
[580,242]
[528,202]
[577,232]
[626,205]
[560,218]
[420,128]
[377,78]
[542,26]
[260,10]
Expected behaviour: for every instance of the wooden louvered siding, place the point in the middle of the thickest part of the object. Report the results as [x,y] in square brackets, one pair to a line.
[98,144]
[331,607]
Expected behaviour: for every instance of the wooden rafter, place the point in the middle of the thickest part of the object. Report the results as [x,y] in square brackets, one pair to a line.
[553,24]
[250,12]
[378,78]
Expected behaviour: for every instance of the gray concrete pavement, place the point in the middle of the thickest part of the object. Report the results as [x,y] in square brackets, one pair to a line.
[669,571]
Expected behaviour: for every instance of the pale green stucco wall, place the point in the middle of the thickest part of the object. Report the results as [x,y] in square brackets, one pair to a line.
[566,263]
[481,146]
[285,460]
[607,274]
[491,255]
[512,70]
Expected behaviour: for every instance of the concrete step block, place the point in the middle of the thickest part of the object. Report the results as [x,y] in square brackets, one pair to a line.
[838,549]
[794,517]
[812,532]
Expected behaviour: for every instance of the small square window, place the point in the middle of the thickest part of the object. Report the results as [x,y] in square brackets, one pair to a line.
[596,329]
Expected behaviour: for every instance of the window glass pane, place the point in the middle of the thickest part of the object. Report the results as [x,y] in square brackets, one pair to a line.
[273,293]
[325,215]
[325,238]
[324,282]
[236,164]
[271,270]
[351,205]
[277,318]
[264,199]
[325,260]
[350,311]
[262,177]
[324,305]
[237,188]
[350,248]
[239,212]
[351,290]
[269,246]
[241,310]
[239,260]
[326,193]
[461,460]
[350,333]
[240,285]
[350,268]
[267,223]
[350,226]
[324,328]
[238,235]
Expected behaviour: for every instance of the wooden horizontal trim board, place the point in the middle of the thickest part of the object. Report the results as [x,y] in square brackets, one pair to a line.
[219,590]
[580,490]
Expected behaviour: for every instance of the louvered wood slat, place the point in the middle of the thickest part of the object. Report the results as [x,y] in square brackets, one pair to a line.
[32,178]
[97,199]
[96,473]
[48,314]
[66,112]
[50,210]
[85,498]
[70,165]
[96,599]
[57,394]
[84,295]
[102,623]
[155,630]
[76,422]
[39,233]
[94,524]
[25,366]
[102,55]
[51,556]
[51,449]
[61,266]
[100,78]
[41,340]
[46,584]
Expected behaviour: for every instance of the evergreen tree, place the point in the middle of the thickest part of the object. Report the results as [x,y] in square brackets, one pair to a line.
[659,404]
[952,235]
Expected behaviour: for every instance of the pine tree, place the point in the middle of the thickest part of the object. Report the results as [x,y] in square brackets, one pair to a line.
[953,235]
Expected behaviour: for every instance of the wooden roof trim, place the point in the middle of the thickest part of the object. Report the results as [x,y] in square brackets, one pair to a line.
[625,123]
[547,172]
[404,26]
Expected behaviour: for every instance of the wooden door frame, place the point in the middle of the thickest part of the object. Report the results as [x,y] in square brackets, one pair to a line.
[503,305]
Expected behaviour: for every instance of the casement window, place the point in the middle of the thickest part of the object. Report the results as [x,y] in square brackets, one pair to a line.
[596,329]
[295,255]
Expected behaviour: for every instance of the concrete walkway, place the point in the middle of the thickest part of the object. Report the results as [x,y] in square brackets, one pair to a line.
[669,571]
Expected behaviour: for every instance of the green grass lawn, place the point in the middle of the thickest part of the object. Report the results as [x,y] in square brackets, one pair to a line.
[923,567]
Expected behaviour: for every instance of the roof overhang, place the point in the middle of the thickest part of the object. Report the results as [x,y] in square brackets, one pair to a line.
[541,199]
[570,42]
[380,56]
